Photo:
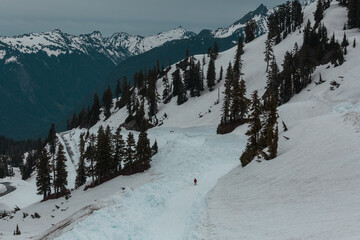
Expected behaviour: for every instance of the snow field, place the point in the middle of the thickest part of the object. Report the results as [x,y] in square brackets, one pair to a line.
[170,206]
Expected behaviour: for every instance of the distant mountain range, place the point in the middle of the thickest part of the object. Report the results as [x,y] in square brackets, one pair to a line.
[44,77]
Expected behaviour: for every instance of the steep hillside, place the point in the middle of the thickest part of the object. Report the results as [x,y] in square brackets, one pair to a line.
[308,192]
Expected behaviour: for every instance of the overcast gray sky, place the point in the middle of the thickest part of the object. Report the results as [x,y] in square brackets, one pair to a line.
[142,17]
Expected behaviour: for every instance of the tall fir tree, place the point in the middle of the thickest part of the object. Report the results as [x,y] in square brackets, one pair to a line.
[154,148]
[243,101]
[81,170]
[215,51]
[166,91]
[176,78]
[52,140]
[269,52]
[119,149]
[90,156]
[319,12]
[130,153]
[211,75]
[118,90]
[61,175]
[227,94]
[254,131]
[181,96]
[107,102]
[103,153]
[143,153]
[250,29]
[95,111]
[43,178]
[221,74]
[238,64]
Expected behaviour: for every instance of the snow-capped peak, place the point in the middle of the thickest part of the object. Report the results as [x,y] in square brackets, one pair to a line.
[116,47]
[259,16]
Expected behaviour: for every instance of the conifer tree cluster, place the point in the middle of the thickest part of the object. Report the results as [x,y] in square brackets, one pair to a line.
[17,230]
[106,155]
[5,170]
[45,167]
[250,31]
[353,13]
[235,104]
[43,178]
[14,150]
[31,158]
[299,64]
[263,129]
[89,117]
[188,78]
[285,19]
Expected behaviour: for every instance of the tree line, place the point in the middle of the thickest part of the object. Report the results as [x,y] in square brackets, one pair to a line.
[102,156]
[286,18]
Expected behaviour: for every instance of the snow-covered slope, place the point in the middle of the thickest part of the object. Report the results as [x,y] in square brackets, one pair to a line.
[117,47]
[308,192]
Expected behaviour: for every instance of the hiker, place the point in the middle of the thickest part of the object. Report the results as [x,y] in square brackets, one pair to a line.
[195,181]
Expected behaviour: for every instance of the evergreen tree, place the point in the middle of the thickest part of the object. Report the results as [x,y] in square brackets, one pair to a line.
[250,29]
[227,94]
[238,64]
[221,74]
[95,111]
[107,102]
[103,153]
[215,52]
[319,13]
[52,140]
[269,133]
[252,147]
[90,156]
[199,79]
[166,91]
[143,153]
[119,149]
[152,94]
[60,181]
[118,91]
[17,230]
[176,78]
[43,178]
[130,152]
[269,52]
[154,148]
[243,101]
[125,98]
[354,43]
[211,75]
[274,144]
[81,171]
[344,44]
[181,93]
[273,79]
[353,13]
[286,89]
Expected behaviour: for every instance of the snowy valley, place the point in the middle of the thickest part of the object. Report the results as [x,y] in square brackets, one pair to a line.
[309,191]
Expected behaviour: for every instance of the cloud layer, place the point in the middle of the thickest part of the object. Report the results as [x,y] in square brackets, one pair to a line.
[141,17]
